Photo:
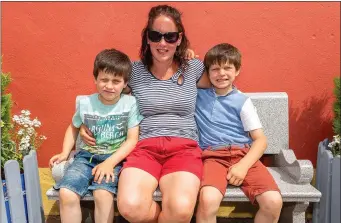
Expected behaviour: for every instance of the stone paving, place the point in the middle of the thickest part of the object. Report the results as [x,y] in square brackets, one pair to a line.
[55,219]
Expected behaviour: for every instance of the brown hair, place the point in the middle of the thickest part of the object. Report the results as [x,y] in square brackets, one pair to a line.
[221,54]
[175,15]
[114,62]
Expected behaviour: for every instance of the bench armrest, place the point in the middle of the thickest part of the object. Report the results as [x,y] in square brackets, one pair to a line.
[301,171]
[58,170]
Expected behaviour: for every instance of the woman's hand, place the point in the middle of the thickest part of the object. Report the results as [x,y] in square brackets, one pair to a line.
[204,81]
[87,136]
[189,54]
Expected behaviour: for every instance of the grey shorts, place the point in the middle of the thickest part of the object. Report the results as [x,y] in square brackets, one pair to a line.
[78,177]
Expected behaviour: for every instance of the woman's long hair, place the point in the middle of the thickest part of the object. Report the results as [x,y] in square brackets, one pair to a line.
[179,56]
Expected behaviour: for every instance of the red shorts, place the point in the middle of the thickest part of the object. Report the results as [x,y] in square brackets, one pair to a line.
[163,155]
[217,162]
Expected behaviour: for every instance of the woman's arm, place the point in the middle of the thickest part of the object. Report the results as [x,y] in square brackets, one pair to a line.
[105,169]
[126,90]
[87,136]
[204,81]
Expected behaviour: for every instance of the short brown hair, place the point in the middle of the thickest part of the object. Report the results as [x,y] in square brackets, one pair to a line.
[221,54]
[114,62]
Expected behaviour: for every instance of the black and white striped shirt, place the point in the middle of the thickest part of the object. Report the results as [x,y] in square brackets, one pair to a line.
[167,106]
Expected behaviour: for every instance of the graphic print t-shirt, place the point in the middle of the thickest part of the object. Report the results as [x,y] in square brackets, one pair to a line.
[109,124]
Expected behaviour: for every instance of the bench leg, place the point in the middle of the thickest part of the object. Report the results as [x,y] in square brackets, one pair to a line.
[87,211]
[294,213]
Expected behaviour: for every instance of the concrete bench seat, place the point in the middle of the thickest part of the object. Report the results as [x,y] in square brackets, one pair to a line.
[291,192]
[291,175]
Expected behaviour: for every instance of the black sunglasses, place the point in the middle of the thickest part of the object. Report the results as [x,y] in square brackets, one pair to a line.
[170,37]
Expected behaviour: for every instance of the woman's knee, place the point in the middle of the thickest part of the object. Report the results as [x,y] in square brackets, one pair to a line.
[132,208]
[135,194]
[68,197]
[180,208]
[271,203]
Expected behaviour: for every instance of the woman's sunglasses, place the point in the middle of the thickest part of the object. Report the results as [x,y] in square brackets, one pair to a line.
[170,37]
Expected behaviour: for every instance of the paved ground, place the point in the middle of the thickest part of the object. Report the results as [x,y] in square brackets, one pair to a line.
[55,219]
[88,207]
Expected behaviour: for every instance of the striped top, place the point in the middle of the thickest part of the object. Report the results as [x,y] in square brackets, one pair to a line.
[167,106]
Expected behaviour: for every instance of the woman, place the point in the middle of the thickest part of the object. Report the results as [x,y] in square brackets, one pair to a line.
[167,154]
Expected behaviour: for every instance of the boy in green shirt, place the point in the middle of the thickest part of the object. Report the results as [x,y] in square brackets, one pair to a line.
[113,120]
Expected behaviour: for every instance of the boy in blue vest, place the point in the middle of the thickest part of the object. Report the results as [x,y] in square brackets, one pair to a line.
[113,120]
[232,140]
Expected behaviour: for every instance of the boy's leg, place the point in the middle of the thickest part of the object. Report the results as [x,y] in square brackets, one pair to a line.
[270,205]
[104,206]
[212,191]
[70,210]
[104,193]
[74,185]
[209,202]
[259,186]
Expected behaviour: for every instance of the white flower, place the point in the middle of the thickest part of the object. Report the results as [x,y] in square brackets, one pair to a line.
[335,142]
[15,118]
[36,123]
[25,131]
[26,120]
[20,132]
[30,130]
[24,146]
[24,141]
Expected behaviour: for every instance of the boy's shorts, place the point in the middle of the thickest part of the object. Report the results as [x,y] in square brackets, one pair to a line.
[78,177]
[217,162]
[163,155]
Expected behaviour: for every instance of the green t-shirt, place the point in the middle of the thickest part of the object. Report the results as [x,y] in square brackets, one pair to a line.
[109,124]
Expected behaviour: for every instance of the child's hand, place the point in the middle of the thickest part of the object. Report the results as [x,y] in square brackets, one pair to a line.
[87,136]
[105,169]
[56,159]
[236,174]
[189,54]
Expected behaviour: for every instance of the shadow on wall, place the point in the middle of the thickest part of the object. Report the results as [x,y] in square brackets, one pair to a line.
[308,125]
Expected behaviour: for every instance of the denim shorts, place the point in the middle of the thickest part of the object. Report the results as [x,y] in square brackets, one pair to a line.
[78,177]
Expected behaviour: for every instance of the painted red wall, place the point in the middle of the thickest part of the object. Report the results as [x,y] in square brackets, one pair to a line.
[49,48]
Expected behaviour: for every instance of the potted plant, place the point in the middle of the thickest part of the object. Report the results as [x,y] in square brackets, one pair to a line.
[19,135]
[328,170]
[6,124]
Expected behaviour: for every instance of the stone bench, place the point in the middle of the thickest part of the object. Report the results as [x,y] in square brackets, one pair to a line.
[292,176]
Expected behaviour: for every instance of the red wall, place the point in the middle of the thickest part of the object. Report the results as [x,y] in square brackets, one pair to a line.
[49,48]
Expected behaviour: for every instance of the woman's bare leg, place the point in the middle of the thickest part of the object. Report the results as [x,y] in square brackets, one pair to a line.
[135,196]
[179,196]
